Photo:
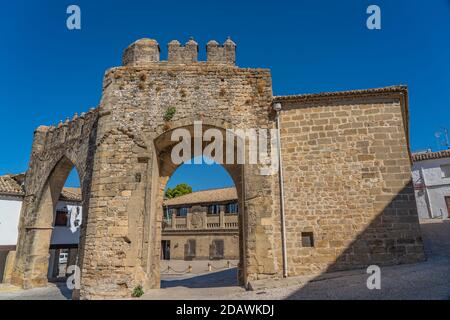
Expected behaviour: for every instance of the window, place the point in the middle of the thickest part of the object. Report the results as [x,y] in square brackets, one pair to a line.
[445,171]
[182,212]
[166,214]
[307,239]
[217,249]
[61,218]
[214,209]
[231,208]
[172,211]
[190,249]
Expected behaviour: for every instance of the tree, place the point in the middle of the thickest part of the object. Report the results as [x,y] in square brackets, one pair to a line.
[179,190]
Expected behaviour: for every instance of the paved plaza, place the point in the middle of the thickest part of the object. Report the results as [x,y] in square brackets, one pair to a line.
[426,280]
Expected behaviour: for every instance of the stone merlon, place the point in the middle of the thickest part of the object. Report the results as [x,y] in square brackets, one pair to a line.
[182,54]
[141,52]
[147,51]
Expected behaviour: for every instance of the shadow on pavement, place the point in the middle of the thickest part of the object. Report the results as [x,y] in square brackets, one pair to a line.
[226,278]
[62,287]
[418,281]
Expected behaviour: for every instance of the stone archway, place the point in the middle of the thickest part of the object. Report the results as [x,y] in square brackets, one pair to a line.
[122,169]
[56,151]
[163,146]
[34,244]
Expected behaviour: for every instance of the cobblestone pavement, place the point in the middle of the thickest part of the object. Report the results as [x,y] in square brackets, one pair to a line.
[426,280]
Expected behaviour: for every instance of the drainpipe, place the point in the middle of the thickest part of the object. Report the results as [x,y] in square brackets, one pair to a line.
[277,108]
[427,195]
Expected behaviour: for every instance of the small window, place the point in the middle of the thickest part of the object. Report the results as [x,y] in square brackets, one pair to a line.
[231,208]
[190,249]
[307,239]
[216,250]
[445,171]
[182,212]
[214,209]
[61,219]
[172,211]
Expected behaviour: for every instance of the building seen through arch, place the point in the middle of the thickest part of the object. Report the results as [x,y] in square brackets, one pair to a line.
[202,225]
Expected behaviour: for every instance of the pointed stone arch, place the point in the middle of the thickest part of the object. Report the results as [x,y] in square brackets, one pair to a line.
[162,171]
[55,152]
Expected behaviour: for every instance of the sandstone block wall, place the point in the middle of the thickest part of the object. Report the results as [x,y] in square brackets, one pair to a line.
[348,181]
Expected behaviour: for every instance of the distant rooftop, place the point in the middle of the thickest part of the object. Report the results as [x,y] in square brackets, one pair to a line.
[420,156]
[204,196]
[309,96]
[10,186]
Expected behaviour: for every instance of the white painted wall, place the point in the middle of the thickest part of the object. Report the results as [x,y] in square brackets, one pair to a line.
[9,220]
[66,235]
[437,186]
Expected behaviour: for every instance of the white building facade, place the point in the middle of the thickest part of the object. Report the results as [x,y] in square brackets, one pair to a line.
[431,177]
[65,234]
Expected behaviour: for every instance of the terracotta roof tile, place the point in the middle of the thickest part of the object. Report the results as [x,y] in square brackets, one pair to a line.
[71,194]
[9,186]
[305,97]
[430,155]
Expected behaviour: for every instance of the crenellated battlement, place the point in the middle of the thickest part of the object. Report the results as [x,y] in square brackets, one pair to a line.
[141,52]
[147,51]
[64,131]
[226,53]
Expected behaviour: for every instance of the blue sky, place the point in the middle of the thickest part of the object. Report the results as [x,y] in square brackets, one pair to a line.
[48,72]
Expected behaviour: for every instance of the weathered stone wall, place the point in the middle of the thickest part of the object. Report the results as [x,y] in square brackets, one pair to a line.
[347,176]
[131,169]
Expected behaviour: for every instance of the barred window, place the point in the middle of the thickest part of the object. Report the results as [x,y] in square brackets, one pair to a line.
[61,218]
[216,249]
[214,209]
[190,249]
[231,208]
[445,171]
[307,239]
[182,212]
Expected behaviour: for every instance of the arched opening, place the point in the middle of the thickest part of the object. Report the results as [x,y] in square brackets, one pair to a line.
[67,220]
[50,229]
[200,229]
[201,236]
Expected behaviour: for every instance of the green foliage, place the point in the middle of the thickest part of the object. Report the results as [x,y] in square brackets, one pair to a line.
[170,113]
[137,292]
[179,190]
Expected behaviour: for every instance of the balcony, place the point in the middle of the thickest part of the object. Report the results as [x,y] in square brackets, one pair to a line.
[201,221]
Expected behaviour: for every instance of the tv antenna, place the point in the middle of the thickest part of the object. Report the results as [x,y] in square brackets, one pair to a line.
[442,137]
